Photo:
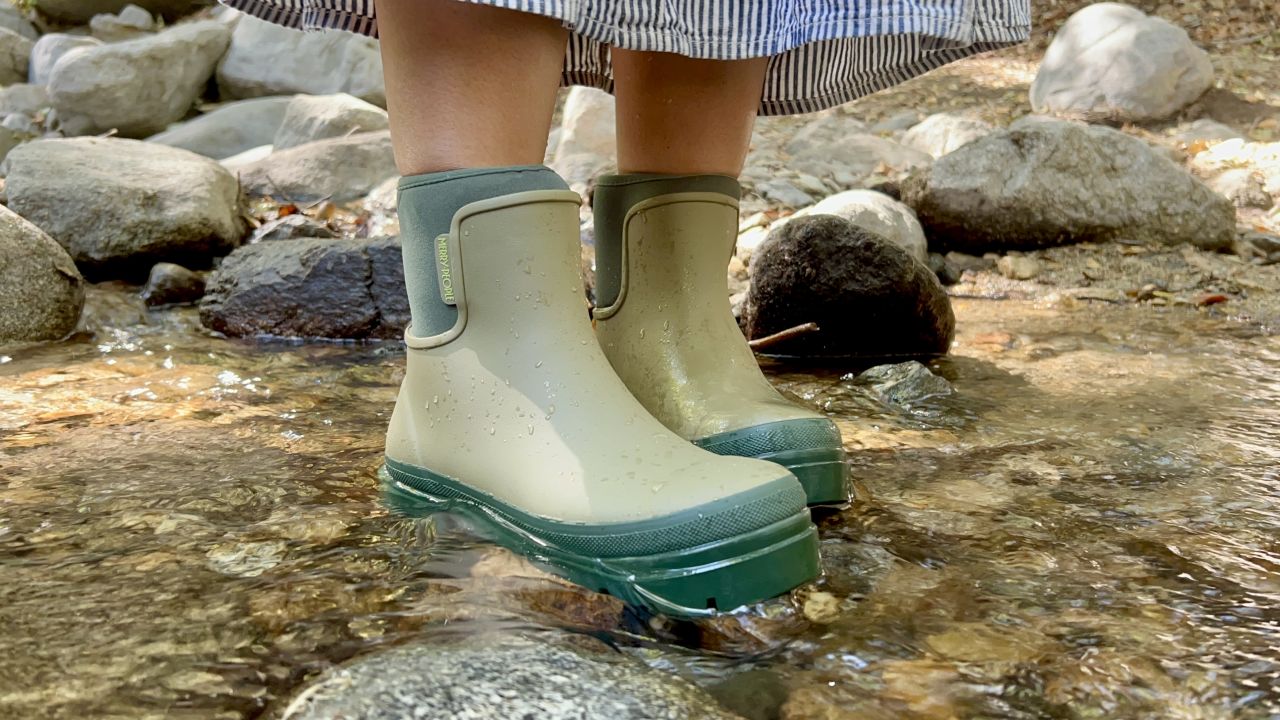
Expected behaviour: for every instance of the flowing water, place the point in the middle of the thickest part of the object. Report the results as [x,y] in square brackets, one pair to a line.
[1082,522]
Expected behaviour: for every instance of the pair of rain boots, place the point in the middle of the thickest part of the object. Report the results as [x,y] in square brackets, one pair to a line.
[649,459]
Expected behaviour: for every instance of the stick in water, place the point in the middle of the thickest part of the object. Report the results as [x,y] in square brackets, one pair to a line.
[769,340]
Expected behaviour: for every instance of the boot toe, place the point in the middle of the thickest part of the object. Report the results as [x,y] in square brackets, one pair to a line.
[808,447]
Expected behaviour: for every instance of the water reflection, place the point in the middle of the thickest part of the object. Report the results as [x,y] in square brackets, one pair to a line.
[1076,515]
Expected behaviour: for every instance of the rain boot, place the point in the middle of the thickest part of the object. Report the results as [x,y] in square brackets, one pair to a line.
[663,245]
[510,415]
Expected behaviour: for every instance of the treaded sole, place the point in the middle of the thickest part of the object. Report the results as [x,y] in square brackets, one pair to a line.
[691,582]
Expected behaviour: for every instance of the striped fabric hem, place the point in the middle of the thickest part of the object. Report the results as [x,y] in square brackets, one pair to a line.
[822,54]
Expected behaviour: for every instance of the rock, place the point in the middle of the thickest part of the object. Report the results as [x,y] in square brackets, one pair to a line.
[11,138]
[784,193]
[877,213]
[824,130]
[859,155]
[242,160]
[339,169]
[228,130]
[1261,157]
[1018,267]
[11,18]
[1112,62]
[137,87]
[1043,183]
[1245,188]
[948,272]
[1205,130]
[868,296]
[23,99]
[318,117]
[267,59]
[581,169]
[903,384]
[78,12]
[942,133]
[292,226]
[47,50]
[546,675]
[170,284]
[41,292]
[15,56]
[119,206]
[130,23]
[311,288]
[586,146]
[897,122]
[753,694]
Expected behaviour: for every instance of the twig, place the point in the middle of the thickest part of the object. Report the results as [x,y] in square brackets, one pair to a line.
[769,340]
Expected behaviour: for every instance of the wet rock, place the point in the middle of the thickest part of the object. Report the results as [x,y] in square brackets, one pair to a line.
[1043,183]
[78,12]
[1245,188]
[171,284]
[267,59]
[858,155]
[130,23]
[15,54]
[23,99]
[49,48]
[136,87]
[319,117]
[868,296]
[1018,267]
[339,169]
[903,384]
[228,130]
[753,694]
[942,133]
[877,213]
[120,206]
[1112,62]
[41,292]
[11,18]
[547,675]
[312,288]
[948,272]
[586,146]
[1205,130]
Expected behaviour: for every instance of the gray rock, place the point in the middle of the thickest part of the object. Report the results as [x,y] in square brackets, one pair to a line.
[1205,130]
[11,18]
[311,288]
[858,155]
[869,297]
[171,284]
[903,384]
[1112,62]
[49,48]
[228,130]
[41,292]
[267,59]
[23,99]
[131,22]
[1043,183]
[948,272]
[79,12]
[1018,267]
[586,143]
[119,206]
[242,160]
[339,169]
[1244,187]
[897,122]
[15,56]
[784,193]
[137,87]
[549,676]
[877,213]
[823,130]
[11,138]
[292,226]
[318,117]
[942,133]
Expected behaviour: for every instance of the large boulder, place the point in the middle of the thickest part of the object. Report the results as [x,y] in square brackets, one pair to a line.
[136,87]
[852,155]
[1112,62]
[79,12]
[41,292]
[319,117]
[1043,183]
[310,288]
[869,297]
[586,146]
[339,169]
[879,214]
[267,59]
[549,676]
[15,57]
[228,130]
[49,49]
[942,133]
[119,206]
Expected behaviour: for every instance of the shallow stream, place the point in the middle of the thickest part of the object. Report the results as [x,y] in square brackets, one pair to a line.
[1083,521]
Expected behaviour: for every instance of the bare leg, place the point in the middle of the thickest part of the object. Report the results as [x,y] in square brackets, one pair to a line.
[677,115]
[468,86]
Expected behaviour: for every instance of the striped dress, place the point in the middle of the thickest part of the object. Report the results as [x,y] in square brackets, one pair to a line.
[823,52]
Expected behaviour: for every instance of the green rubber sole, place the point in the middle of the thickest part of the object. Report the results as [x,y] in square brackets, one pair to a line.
[810,448]
[697,581]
